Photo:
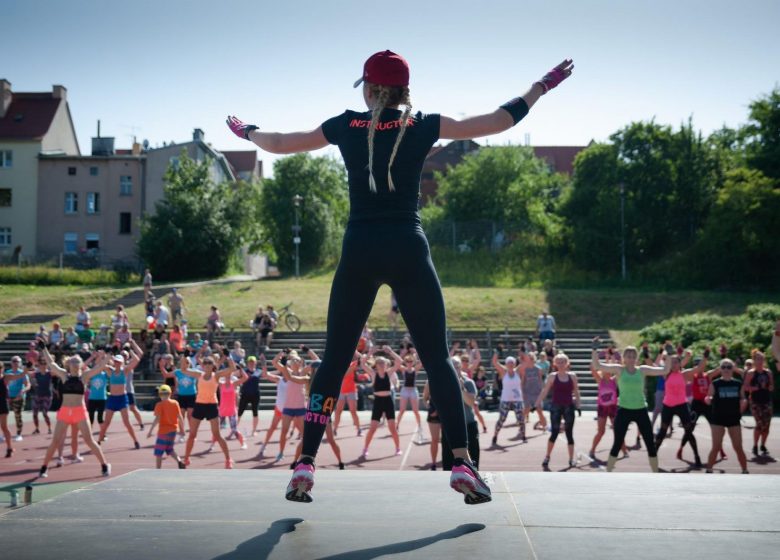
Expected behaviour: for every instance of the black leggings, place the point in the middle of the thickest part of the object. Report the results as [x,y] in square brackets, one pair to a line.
[698,409]
[248,401]
[567,412]
[95,405]
[368,260]
[623,418]
[447,458]
[684,413]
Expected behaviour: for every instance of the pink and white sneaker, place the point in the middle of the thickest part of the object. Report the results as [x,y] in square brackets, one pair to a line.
[302,481]
[466,480]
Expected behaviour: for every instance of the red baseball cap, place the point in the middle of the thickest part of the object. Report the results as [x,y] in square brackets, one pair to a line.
[385,68]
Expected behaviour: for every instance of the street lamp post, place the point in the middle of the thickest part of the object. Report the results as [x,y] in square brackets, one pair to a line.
[297,199]
[623,230]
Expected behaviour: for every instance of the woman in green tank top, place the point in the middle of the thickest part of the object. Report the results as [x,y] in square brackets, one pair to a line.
[632,406]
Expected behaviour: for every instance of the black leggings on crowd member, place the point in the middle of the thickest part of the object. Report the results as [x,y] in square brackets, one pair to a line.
[17,406]
[567,413]
[93,406]
[623,419]
[447,458]
[684,413]
[699,409]
[368,260]
[248,401]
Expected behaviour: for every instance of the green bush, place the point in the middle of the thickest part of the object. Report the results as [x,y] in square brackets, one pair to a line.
[741,334]
[53,276]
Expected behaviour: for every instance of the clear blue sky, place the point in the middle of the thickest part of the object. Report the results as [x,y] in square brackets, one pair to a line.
[165,67]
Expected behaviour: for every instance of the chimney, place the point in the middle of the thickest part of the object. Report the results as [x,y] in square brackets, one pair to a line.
[136,149]
[59,92]
[103,146]
[197,135]
[5,96]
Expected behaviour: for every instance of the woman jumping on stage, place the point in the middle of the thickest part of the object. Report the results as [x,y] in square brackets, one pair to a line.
[384,149]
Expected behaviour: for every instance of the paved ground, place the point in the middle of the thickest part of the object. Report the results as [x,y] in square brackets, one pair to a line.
[201,514]
[509,455]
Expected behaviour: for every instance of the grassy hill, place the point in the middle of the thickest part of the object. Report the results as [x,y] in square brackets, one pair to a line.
[622,311]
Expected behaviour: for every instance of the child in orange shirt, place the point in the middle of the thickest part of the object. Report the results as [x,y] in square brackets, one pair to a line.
[168,414]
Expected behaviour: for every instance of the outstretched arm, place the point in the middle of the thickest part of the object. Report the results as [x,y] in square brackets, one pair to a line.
[509,114]
[278,142]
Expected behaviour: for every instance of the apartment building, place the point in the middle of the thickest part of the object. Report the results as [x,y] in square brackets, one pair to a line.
[30,124]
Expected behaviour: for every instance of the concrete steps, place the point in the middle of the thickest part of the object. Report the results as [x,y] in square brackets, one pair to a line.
[575,343]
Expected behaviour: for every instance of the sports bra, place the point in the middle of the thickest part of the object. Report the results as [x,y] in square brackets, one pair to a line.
[73,386]
[120,379]
[381,383]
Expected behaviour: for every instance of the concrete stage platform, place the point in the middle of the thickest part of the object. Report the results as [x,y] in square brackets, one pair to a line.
[211,514]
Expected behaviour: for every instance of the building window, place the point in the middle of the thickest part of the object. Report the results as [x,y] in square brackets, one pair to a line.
[6,158]
[174,162]
[125,185]
[5,198]
[92,242]
[93,203]
[93,171]
[71,202]
[5,237]
[71,170]
[124,223]
[71,243]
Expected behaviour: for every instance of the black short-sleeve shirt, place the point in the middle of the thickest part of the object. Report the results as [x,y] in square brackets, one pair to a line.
[349,131]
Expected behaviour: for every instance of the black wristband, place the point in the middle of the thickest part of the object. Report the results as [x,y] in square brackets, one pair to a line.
[517,108]
[249,128]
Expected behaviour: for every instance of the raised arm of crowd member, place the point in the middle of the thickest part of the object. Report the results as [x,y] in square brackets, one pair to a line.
[164,371]
[500,370]
[241,376]
[135,356]
[398,362]
[285,371]
[596,374]
[776,345]
[53,366]
[186,369]
[367,368]
[598,365]
[699,368]
[455,348]
[686,358]
[309,352]
[102,360]
[655,371]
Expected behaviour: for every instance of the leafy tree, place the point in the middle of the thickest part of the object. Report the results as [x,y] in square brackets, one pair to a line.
[197,226]
[740,244]
[505,184]
[669,180]
[762,135]
[322,183]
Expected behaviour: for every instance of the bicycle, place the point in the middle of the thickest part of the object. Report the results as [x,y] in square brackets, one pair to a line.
[290,318]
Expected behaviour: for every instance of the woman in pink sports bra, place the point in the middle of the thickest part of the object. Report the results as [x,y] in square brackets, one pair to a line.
[676,402]
[607,408]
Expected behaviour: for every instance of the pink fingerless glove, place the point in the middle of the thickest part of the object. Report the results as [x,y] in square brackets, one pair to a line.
[556,75]
[240,128]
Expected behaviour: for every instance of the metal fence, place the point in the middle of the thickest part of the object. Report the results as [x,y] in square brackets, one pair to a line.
[468,236]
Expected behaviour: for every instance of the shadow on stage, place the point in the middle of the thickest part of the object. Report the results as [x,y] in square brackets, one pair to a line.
[262,545]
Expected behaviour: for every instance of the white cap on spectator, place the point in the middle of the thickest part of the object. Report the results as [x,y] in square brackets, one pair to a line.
[119,358]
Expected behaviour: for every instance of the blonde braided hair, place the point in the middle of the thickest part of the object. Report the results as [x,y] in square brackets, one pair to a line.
[387,96]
